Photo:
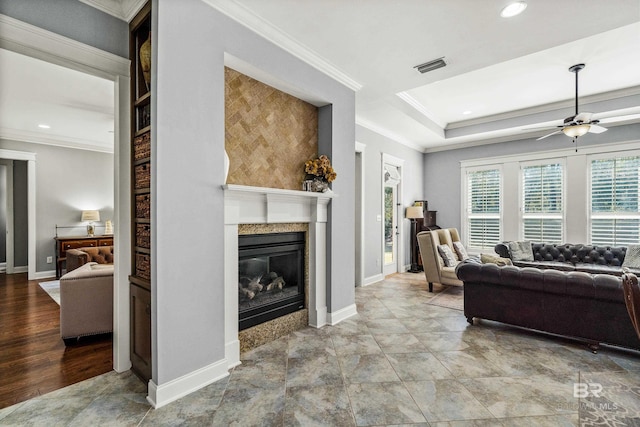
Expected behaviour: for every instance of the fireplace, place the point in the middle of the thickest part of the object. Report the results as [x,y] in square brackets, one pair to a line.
[271,271]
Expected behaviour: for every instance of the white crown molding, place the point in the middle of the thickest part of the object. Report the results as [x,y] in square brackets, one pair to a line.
[125,10]
[112,7]
[420,108]
[66,142]
[568,103]
[387,134]
[265,29]
[36,42]
[130,8]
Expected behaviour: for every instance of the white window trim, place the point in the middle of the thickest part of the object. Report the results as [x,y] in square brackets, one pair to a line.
[465,208]
[562,215]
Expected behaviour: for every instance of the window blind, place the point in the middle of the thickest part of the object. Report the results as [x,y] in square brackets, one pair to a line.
[542,202]
[615,214]
[483,208]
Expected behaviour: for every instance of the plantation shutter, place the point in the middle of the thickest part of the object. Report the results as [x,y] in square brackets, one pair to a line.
[542,210]
[483,208]
[615,214]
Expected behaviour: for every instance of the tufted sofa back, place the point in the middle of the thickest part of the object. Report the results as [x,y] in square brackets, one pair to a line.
[574,254]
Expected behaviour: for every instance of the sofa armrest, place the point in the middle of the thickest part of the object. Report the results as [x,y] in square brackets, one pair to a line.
[76,258]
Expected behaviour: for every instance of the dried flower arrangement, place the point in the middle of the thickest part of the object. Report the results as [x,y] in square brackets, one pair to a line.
[320,167]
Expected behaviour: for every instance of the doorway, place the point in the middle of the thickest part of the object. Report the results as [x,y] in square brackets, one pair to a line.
[391,212]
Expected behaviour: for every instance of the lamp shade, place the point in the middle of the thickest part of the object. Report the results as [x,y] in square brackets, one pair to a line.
[88,216]
[577,130]
[414,212]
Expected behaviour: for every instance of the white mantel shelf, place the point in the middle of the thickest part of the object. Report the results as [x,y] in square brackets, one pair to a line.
[260,205]
[278,191]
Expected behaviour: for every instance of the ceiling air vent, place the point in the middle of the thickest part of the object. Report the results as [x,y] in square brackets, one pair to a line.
[431,65]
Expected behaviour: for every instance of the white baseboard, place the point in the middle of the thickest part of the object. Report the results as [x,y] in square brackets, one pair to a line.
[163,394]
[232,353]
[336,317]
[372,279]
[39,274]
[3,267]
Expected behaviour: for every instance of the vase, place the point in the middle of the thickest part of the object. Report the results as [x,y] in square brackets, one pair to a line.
[226,166]
[145,60]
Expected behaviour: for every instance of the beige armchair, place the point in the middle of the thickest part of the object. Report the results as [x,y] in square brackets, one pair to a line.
[86,301]
[434,268]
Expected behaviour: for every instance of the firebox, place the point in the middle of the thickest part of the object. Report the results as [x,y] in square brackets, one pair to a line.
[270,276]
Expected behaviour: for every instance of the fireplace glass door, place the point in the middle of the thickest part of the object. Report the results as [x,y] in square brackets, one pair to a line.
[270,276]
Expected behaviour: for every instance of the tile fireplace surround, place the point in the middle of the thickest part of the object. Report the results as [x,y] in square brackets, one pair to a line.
[258,205]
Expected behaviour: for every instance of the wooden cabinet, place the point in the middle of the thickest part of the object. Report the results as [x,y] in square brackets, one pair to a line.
[140,312]
[74,242]
[141,196]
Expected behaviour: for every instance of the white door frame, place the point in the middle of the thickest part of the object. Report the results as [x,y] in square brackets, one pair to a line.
[399,163]
[10,258]
[35,42]
[360,147]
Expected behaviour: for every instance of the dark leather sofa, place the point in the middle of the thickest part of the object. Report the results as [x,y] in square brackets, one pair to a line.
[576,304]
[569,257]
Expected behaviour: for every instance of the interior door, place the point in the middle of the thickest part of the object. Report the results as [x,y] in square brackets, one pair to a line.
[390,245]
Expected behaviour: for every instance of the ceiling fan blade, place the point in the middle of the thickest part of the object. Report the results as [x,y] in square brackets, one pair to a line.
[548,135]
[596,129]
[583,117]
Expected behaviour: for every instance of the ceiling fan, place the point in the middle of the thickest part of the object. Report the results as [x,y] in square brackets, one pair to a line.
[580,123]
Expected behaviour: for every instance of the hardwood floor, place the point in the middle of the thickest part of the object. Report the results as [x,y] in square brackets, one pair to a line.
[33,358]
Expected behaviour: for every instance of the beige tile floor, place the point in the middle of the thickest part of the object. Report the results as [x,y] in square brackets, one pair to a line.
[400,361]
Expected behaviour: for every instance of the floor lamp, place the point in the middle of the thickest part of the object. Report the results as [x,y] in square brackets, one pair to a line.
[413,213]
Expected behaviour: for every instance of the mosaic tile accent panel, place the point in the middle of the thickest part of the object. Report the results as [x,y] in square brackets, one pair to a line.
[266,332]
[268,134]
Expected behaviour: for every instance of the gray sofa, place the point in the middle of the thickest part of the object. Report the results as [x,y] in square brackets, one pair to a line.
[86,301]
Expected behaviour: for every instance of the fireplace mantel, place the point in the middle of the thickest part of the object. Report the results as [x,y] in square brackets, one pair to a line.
[258,205]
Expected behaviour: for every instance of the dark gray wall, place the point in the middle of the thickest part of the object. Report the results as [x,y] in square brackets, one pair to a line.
[442,169]
[73,19]
[3,213]
[413,189]
[67,181]
[20,220]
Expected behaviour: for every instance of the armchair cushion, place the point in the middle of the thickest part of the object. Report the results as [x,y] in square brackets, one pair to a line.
[447,255]
[460,250]
[81,256]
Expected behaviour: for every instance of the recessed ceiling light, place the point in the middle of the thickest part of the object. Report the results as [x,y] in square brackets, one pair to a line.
[513,9]
[42,126]
[466,113]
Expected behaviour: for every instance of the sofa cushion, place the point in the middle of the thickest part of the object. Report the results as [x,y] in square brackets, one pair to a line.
[521,251]
[549,265]
[447,255]
[492,259]
[632,257]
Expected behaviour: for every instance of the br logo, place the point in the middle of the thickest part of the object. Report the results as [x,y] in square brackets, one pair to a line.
[582,390]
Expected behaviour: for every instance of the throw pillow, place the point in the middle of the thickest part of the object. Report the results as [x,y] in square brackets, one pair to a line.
[632,257]
[460,250]
[493,259]
[521,251]
[447,256]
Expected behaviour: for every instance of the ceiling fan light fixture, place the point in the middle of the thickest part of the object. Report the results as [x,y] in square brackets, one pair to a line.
[575,131]
[513,9]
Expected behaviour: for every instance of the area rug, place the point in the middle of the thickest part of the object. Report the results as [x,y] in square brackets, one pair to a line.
[451,297]
[53,289]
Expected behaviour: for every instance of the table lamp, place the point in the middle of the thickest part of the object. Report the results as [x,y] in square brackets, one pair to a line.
[90,216]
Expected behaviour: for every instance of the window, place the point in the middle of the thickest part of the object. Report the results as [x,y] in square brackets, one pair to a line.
[542,206]
[615,214]
[483,208]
